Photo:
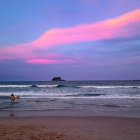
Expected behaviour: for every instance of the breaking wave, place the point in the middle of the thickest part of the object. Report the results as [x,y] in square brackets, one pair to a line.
[65,85]
[108,87]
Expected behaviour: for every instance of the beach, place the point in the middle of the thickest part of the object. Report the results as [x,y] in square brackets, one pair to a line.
[69,70]
[69,128]
[71,110]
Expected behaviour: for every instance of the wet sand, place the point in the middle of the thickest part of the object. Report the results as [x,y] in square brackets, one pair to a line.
[69,128]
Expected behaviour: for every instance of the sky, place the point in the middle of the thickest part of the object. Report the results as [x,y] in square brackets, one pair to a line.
[74,39]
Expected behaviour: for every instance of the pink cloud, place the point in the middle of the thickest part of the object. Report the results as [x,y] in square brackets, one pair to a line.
[108,29]
[47,61]
[22,51]
[42,61]
[54,59]
[118,27]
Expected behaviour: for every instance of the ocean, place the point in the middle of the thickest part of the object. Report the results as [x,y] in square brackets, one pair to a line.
[71,98]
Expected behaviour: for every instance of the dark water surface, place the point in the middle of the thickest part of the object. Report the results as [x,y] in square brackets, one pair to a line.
[83,98]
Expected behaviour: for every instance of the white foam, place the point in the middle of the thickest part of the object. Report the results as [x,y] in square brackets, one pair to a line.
[50,86]
[14,86]
[32,94]
[24,86]
[101,87]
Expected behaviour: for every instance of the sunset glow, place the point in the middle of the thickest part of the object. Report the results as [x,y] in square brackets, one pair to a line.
[82,41]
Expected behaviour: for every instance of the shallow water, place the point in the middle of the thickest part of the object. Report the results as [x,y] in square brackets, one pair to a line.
[87,98]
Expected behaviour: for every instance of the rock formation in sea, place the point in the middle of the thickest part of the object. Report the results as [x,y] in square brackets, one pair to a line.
[57,79]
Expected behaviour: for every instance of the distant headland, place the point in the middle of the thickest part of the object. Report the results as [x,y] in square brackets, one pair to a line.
[57,79]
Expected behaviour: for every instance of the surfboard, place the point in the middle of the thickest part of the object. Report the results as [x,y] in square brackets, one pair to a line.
[13,98]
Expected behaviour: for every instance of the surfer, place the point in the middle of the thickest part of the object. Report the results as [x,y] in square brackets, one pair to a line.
[12,97]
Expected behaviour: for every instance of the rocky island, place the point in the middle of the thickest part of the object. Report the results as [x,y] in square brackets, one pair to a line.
[57,79]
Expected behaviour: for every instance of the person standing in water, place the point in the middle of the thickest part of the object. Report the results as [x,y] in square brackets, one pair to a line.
[12,97]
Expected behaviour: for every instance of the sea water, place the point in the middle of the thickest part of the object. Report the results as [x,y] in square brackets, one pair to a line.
[71,98]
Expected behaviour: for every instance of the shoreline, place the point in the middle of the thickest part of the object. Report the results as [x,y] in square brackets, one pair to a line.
[69,128]
[66,113]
